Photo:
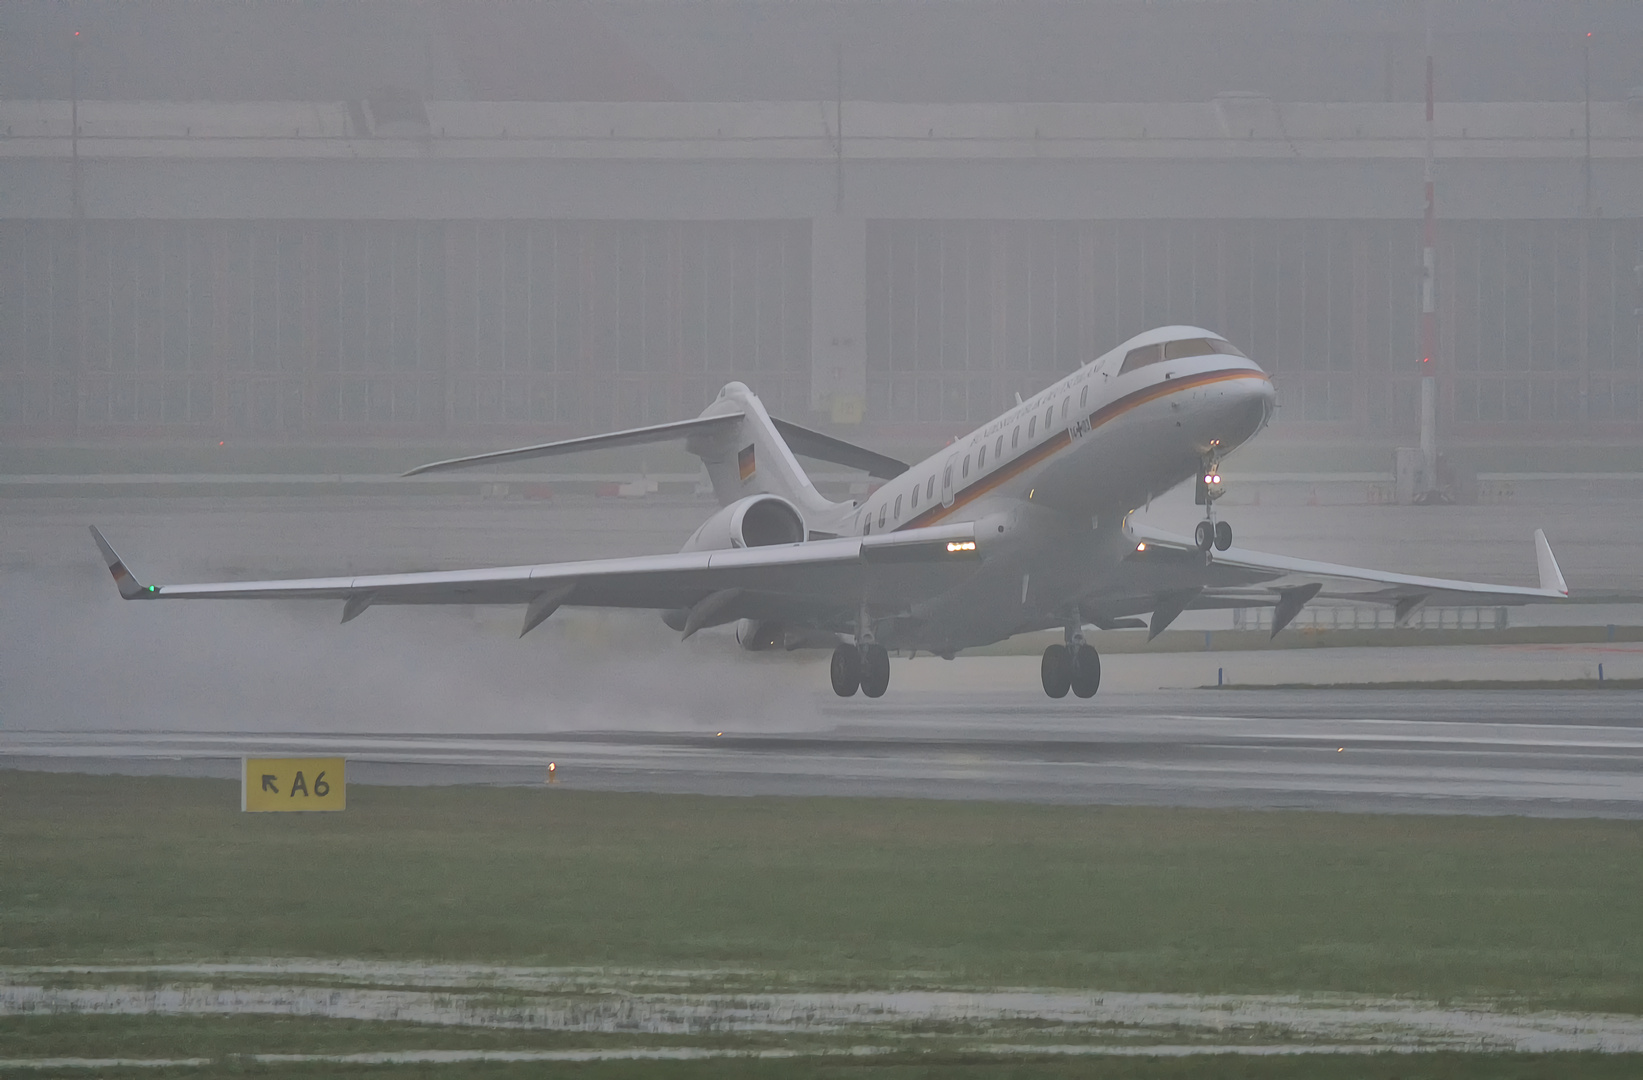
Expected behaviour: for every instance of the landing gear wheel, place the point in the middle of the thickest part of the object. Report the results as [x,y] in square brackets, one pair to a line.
[846,670]
[1223,535]
[1086,671]
[875,670]
[1057,671]
[1204,535]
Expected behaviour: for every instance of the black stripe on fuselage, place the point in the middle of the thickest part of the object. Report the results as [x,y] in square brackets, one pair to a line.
[1044,450]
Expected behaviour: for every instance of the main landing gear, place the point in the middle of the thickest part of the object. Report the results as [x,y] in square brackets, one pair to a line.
[866,668]
[1075,666]
[1211,533]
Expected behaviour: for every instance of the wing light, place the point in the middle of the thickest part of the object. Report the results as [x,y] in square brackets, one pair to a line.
[961,545]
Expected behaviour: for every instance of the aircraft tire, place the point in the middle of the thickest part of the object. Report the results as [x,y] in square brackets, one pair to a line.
[1086,671]
[1056,671]
[1223,535]
[875,670]
[845,670]
[1204,536]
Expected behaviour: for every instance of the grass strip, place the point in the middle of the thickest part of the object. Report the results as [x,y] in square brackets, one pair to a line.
[1424,1066]
[822,893]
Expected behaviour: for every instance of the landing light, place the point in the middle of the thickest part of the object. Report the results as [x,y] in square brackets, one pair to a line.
[962,545]
[1140,547]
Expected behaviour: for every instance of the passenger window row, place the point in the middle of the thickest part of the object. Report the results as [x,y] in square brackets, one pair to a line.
[886,515]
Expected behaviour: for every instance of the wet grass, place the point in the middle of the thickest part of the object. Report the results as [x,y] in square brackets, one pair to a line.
[832,892]
[1433,1066]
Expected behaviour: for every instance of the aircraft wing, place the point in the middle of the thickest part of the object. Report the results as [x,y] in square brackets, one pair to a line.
[820,581]
[1171,576]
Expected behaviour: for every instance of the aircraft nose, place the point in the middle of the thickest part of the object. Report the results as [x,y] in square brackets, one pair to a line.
[1238,409]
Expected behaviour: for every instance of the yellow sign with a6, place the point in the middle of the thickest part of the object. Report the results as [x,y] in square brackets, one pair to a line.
[286,784]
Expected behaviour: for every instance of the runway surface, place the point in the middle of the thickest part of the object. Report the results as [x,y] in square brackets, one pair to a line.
[1544,753]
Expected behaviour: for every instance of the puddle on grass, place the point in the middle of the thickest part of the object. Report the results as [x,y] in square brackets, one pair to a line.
[666,1002]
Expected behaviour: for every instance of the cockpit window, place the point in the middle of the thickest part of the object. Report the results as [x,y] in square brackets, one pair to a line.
[1146,354]
[1177,350]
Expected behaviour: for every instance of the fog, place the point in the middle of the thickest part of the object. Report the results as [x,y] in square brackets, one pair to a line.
[337,239]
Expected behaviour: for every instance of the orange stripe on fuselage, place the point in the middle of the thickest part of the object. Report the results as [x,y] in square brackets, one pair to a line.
[1108,412]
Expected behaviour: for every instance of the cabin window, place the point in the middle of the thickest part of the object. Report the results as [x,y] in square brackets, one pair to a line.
[1049,414]
[1084,398]
[914,505]
[966,473]
[981,459]
[1015,437]
[882,511]
[1066,401]
[867,526]
[1032,427]
[998,447]
[930,489]
[898,507]
[947,478]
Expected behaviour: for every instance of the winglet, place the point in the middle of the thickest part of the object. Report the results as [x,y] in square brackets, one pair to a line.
[1551,578]
[130,587]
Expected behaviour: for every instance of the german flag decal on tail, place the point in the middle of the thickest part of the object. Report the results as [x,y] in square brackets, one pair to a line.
[744,461]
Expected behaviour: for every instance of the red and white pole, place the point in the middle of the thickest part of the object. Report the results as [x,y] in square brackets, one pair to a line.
[1429,297]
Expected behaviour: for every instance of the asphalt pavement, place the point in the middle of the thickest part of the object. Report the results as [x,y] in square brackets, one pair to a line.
[1541,753]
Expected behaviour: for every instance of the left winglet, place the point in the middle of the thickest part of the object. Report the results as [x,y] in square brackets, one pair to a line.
[130,587]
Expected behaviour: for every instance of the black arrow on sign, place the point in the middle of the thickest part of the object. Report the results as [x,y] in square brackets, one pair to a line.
[268,783]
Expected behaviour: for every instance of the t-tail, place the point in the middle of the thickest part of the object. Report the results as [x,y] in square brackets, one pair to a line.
[746,452]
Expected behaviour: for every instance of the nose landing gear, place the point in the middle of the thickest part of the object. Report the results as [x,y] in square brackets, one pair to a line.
[1211,533]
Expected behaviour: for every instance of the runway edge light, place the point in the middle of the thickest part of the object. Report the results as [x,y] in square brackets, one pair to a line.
[293,785]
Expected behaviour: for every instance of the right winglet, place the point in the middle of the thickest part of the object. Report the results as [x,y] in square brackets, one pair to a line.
[130,587]
[1551,578]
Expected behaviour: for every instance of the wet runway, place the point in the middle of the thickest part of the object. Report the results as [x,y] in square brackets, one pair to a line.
[1545,753]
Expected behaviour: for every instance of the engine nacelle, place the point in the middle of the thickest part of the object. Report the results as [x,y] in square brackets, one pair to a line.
[756,521]
[757,635]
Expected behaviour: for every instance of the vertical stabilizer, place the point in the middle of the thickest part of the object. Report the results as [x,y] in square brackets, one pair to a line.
[752,458]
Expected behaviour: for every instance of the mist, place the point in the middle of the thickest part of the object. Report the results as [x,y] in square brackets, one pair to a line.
[296,249]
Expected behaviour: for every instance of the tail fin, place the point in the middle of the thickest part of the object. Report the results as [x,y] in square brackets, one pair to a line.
[743,448]
[752,458]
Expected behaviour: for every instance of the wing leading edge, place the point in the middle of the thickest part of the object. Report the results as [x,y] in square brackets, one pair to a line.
[813,580]
[1239,577]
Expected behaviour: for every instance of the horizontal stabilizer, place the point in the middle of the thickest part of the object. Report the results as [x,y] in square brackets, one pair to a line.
[813,444]
[655,433]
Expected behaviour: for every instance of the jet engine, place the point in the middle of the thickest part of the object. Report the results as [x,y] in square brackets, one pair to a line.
[757,635]
[756,521]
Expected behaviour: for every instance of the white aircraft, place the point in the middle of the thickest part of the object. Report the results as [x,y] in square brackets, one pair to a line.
[1022,525]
